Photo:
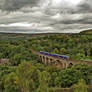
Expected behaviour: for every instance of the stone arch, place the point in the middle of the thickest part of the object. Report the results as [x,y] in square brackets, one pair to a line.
[70,64]
[43,57]
[59,63]
[47,58]
[51,61]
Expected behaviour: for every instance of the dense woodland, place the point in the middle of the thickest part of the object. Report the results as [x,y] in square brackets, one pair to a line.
[25,73]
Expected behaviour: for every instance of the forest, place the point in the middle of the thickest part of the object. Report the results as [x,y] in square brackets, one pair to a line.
[24,71]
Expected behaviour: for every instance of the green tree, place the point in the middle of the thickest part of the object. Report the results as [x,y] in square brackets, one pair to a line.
[63,51]
[71,43]
[80,86]
[84,69]
[55,51]
[80,56]
[91,52]
[68,77]
[53,71]
[26,77]
[43,82]
[10,84]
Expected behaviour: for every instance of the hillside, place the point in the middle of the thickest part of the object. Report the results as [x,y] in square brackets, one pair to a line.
[89,32]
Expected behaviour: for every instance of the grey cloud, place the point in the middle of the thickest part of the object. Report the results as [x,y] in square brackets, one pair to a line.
[12,5]
[44,18]
[85,6]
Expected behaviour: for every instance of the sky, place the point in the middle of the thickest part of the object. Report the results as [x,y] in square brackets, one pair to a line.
[45,16]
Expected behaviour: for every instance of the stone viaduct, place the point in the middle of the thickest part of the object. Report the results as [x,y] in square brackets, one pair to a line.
[62,63]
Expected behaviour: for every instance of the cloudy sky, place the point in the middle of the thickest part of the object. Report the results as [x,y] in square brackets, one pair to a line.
[43,16]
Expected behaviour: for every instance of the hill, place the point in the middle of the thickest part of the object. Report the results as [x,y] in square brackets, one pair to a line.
[89,32]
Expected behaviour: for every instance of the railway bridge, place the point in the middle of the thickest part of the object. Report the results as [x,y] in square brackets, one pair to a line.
[58,60]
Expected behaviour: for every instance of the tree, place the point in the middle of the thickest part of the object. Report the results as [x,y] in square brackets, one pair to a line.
[55,50]
[5,70]
[16,59]
[84,38]
[71,43]
[85,71]
[1,55]
[86,53]
[26,77]
[63,51]
[53,71]
[68,77]
[10,84]
[80,56]
[80,86]
[43,82]
[91,52]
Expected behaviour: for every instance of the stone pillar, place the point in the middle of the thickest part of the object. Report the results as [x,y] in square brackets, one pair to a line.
[57,62]
[64,65]
[53,61]
[42,59]
[45,60]
[67,64]
[49,61]
[61,64]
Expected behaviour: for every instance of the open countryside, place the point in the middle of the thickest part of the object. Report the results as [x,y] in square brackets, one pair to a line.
[45,63]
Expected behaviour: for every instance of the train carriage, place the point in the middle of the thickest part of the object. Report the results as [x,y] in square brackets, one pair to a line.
[54,55]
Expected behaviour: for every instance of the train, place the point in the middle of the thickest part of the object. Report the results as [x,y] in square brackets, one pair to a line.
[54,55]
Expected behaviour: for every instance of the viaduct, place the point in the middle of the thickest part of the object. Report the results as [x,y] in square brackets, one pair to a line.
[59,62]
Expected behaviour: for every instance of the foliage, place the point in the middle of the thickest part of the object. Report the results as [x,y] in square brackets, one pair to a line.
[43,81]
[17,48]
[10,83]
[26,73]
[67,77]
[80,87]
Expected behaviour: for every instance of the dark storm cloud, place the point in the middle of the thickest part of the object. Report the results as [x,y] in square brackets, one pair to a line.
[42,16]
[85,6]
[11,5]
